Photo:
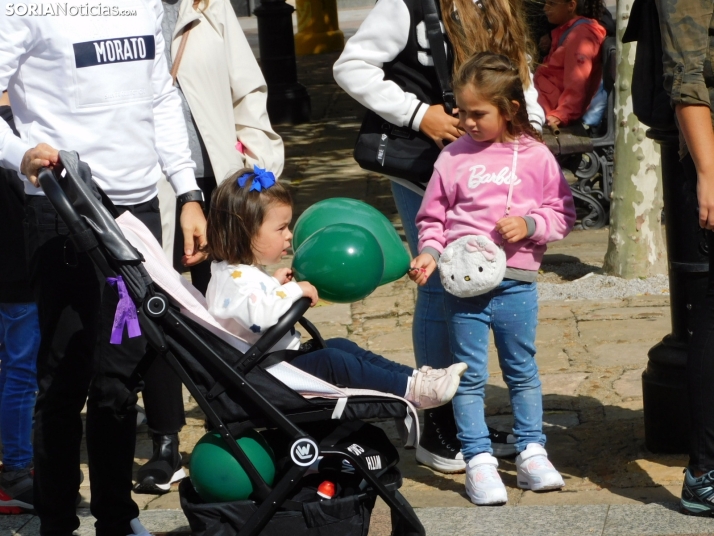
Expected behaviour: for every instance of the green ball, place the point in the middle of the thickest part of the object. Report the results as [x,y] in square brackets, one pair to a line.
[216,474]
[352,211]
[344,262]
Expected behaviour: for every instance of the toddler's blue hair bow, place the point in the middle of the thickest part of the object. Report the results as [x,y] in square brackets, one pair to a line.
[261,179]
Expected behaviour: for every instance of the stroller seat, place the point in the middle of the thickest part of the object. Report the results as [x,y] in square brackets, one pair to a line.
[340,402]
[239,386]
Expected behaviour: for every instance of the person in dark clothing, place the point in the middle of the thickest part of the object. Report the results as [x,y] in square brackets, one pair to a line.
[19,343]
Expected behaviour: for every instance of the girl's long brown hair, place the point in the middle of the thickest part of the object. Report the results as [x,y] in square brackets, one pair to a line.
[489,26]
[494,78]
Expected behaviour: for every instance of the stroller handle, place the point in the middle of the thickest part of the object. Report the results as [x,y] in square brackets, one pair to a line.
[59,200]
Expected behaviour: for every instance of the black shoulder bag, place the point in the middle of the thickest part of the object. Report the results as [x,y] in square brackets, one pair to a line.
[401,151]
[650,101]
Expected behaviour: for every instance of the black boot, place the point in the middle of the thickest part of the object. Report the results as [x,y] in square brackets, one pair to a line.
[439,448]
[164,467]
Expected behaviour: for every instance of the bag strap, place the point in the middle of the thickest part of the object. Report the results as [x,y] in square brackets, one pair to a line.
[179,54]
[513,177]
[566,32]
[438,52]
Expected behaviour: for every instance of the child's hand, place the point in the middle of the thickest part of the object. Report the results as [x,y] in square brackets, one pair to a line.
[421,268]
[512,228]
[552,121]
[308,291]
[283,275]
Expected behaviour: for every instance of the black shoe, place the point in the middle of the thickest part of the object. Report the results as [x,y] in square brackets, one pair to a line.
[439,448]
[164,468]
[502,443]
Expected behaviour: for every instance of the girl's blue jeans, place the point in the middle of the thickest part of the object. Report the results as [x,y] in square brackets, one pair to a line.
[511,310]
[19,343]
[429,332]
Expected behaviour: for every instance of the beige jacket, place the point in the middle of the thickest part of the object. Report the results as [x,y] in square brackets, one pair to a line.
[225,90]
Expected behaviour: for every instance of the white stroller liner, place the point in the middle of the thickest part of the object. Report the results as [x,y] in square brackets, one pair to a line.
[193,305]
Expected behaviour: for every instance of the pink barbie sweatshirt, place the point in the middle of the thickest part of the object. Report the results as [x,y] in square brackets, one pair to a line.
[468,191]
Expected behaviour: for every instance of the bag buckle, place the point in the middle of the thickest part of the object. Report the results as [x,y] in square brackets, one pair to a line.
[449,101]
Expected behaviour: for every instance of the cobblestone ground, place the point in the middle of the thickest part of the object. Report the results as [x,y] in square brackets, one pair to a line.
[591,354]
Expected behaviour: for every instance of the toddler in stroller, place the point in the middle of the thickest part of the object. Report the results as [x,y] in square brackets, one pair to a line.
[240,387]
[248,229]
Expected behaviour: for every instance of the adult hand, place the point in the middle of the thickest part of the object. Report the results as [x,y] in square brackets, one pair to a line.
[193,225]
[421,268]
[512,228]
[283,275]
[439,125]
[41,156]
[705,197]
[308,291]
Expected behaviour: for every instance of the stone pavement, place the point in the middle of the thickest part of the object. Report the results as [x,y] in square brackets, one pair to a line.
[591,356]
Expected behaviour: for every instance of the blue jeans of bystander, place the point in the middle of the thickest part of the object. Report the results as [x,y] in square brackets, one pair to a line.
[429,333]
[19,342]
[511,310]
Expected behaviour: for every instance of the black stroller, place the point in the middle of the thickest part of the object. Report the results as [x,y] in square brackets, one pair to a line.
[236,393]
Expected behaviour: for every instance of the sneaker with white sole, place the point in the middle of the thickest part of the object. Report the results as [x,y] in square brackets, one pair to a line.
[137,529]
[534,470]
[435,387]
[483,483]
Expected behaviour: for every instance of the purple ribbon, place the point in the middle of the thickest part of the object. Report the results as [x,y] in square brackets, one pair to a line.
[125,314]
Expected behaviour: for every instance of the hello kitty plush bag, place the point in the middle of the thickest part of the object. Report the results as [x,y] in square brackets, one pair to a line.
[473,265]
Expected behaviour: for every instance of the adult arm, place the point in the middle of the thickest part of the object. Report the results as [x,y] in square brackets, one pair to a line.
[695,124]
[250,94]
[684,25]
[379,40]
[15,153]
[536,115]
[171,143]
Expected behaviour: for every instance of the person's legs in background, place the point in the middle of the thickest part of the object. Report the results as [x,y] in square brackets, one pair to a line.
[162,394]
[19,343]
[698,486]
[68,297]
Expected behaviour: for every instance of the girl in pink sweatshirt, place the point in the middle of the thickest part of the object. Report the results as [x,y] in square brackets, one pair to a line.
[467,195]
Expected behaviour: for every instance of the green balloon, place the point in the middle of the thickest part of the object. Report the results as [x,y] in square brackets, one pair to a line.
[216,474]
[344,262]
[344,210]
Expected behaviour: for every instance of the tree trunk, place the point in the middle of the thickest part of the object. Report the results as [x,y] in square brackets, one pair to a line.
[635,247]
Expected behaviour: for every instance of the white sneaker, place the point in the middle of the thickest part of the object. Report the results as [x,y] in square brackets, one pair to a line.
[483,483]
[435,387]
[137,529]
[535,472]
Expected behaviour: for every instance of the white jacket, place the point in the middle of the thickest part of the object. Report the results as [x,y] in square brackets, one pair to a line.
[247,301]
[98,85]
[225,90]
[380,39]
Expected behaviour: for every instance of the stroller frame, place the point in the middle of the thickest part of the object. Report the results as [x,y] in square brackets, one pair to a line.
[76,201]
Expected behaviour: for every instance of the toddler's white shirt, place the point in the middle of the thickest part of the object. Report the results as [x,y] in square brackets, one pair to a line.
[247,301]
